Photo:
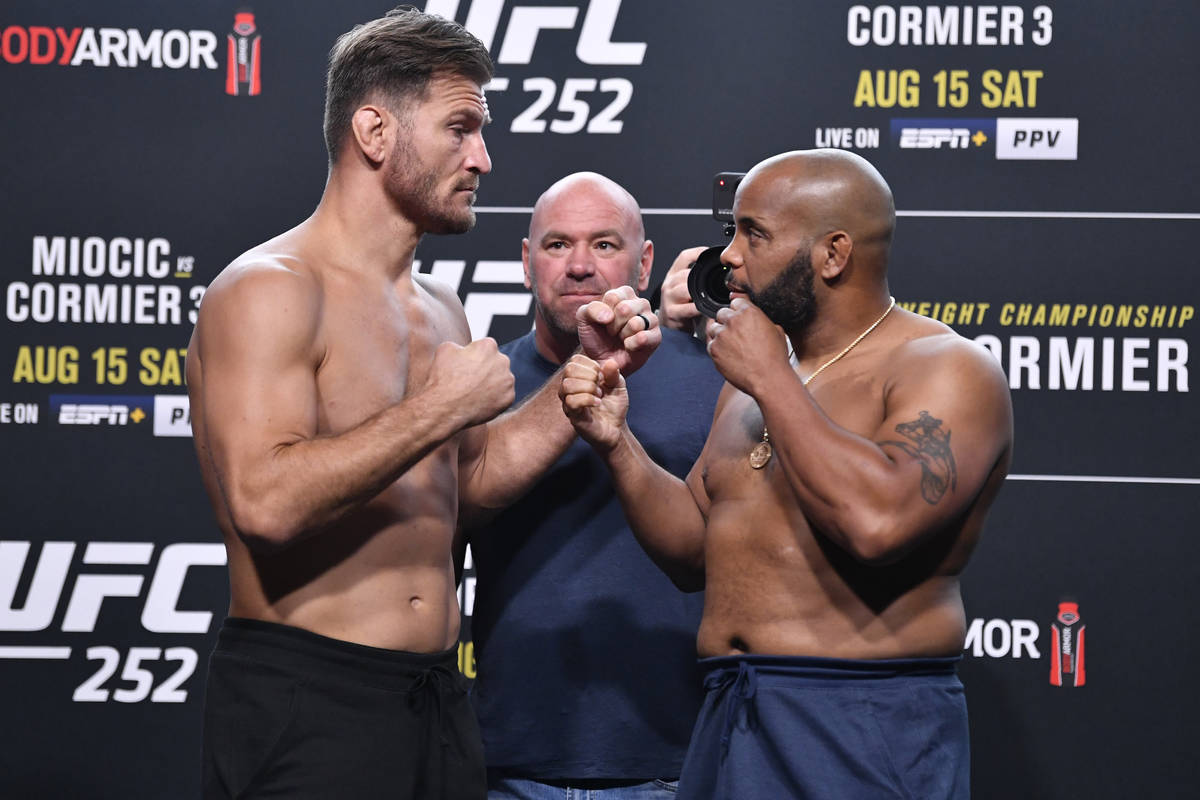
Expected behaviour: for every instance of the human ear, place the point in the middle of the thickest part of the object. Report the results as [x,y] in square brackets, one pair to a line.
[368,127]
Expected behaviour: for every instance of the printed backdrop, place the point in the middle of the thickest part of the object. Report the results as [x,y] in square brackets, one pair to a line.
[1043,160]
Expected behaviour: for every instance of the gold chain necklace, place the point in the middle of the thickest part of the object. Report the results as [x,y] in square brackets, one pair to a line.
[761,453]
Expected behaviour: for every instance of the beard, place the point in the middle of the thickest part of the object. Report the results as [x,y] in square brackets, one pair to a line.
[788,300]
[412,186]
[560,320]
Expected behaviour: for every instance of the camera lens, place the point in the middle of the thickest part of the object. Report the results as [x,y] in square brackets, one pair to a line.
[706,282]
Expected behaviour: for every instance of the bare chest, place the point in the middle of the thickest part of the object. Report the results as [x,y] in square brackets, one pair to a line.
[376,353]
[854,403]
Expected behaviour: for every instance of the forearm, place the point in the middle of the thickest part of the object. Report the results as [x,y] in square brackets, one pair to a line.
[304,485]
[662,512]
[519,446]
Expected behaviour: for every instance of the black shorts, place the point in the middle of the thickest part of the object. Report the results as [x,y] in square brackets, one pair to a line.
[290,714]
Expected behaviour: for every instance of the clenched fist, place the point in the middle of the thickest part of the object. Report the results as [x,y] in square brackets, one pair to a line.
[595,400]
[473,381]
[619,327]
[746,346]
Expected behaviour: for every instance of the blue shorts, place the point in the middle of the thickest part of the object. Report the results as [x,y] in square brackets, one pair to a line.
[782,727]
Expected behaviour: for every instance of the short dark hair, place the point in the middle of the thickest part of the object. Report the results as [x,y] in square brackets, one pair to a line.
[396,55]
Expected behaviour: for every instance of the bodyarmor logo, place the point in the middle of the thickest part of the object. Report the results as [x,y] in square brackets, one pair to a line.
[108,47]
[1066,651]
[242,72]
[1002,638]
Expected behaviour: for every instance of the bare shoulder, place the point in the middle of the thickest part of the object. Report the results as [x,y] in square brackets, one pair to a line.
[932,367]
[931,349]
[445,304]
[264,269]
[267,292]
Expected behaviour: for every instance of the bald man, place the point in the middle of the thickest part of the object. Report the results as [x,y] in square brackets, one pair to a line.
[836,501]
[587,679]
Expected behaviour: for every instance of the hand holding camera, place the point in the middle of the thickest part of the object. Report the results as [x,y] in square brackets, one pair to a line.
[695,283]
[676,309]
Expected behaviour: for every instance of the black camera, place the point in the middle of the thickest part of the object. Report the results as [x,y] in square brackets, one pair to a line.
[706,281]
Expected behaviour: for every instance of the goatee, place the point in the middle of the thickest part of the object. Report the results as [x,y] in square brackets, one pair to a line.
[788,300]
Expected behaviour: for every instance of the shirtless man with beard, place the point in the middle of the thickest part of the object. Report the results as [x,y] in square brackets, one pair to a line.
[835,504]
[342,418]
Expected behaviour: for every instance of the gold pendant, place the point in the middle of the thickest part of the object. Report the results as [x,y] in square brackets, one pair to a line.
[760,455]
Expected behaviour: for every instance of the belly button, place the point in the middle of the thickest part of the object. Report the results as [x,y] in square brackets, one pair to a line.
[737,644]
[415,602]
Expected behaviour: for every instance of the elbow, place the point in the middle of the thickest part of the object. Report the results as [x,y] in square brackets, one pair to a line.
[873,540]
[262,545]
[876,554]
[261,528]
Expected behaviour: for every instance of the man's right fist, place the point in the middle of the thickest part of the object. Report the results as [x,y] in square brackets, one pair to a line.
[474,380]
[594,399]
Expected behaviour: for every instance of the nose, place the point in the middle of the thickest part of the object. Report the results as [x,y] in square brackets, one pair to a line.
[731,256]
[478,160]
[581,264]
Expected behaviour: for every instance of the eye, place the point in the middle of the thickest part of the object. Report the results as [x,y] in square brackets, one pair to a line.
[606,245]
[746,228]
[755,236]
[556,245]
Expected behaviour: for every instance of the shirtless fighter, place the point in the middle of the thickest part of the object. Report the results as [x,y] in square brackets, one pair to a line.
[338,408]
[832,509]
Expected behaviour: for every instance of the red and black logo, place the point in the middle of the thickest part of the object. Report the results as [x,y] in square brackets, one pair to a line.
[242,74]
[1066,650]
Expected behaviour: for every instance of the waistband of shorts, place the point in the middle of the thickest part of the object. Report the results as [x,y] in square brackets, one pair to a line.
[833,668]
[310,653]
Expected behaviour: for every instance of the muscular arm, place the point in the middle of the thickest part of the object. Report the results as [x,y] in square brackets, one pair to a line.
[501,461]
[259,346]
[666,514]
[947,425]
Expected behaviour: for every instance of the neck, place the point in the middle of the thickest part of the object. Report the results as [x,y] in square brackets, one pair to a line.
[361,224]
[553,345]
[837,323]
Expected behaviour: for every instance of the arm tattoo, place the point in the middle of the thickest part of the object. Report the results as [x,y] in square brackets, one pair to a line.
[930,445]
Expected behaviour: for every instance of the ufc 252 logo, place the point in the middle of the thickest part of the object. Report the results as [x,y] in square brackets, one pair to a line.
[50,580]
[591,104]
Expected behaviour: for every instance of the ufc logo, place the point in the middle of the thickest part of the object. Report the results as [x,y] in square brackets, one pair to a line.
[160,612]
[595,44]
